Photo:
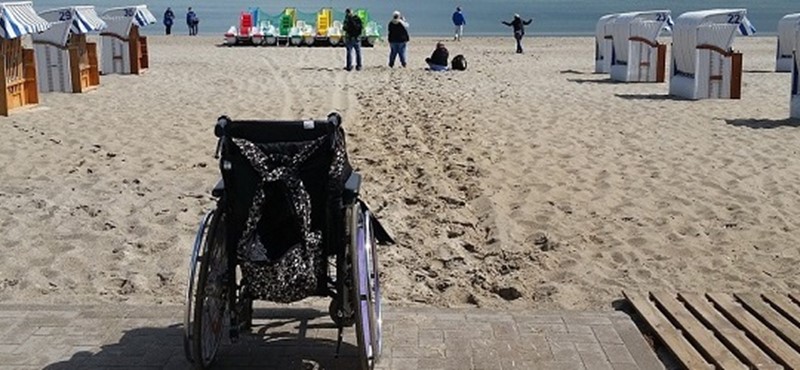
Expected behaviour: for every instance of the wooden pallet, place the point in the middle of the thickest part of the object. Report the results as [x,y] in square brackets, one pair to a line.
[725,331]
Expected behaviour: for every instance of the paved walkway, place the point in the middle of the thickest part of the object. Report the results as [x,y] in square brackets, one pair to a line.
[150,337]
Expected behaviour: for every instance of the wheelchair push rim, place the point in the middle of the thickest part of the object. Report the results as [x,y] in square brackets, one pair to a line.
[367,332]
[375,286]
[198,249]
[211,303]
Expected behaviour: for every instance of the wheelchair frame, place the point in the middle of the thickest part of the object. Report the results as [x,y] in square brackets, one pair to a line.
[214,296]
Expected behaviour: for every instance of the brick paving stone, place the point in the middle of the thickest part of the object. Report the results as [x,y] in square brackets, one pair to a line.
[17,334]
[565,352]
[44,349]
[489,317]
[533,328]
[142,337]
[618,354]
[584,319]
[505,330]
[579,329]
[428,338]
[590,348]
[556,365]
[570,337]
[16,358]
[462,335]
[642,354]
[485,361]
[538,319]
[405,363]
[606,334]
[595,362]
[431,363]
[625,366]
[13,314]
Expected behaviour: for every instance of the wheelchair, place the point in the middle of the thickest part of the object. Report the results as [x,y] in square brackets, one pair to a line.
[288,224]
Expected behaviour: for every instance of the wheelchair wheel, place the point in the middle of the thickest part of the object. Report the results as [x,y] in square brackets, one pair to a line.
[365,287]
[211,301]
[198,249]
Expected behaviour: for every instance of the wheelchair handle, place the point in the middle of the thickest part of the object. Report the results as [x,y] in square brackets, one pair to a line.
[219,131]
[335,118]
[219,128]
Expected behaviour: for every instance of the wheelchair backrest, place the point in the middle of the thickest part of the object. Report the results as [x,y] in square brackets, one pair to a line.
[268,166]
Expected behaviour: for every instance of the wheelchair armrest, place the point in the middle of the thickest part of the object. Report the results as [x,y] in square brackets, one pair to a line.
[352,187]
[219,188]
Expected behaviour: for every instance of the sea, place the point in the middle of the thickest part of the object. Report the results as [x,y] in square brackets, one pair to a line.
[432,17]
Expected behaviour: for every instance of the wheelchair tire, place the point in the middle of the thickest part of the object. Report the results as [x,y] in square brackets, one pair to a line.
[363,293]
[211,314]
[376,312]
[198,249]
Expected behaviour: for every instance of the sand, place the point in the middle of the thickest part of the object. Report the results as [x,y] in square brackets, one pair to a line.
[524,182]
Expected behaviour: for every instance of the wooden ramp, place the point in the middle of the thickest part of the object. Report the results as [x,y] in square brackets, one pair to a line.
[724,331]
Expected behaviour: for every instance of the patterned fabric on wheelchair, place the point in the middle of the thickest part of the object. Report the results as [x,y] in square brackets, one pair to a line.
[281,243]
[288,209]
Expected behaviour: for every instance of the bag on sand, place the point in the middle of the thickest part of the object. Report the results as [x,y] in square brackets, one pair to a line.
[459,63]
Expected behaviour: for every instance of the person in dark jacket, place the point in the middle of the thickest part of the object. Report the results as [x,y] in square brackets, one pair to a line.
[192,21]
[398,37]
[519,30]
[169,20]
[459,22]
[439,58]
[352,38]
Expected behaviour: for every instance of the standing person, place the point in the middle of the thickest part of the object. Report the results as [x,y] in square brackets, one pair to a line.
[519,30]
[438,60]
[192,21]
[398,37]
[352,38]
[459,22]
[169,19]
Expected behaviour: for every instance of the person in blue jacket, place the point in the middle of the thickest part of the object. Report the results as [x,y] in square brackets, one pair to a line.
[169,19]
[459,22]
[192,21]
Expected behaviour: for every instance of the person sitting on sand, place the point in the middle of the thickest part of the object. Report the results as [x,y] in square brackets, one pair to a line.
[439,58]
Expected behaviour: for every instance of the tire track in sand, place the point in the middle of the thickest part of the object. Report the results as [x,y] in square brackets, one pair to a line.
[426,161]
[278,75]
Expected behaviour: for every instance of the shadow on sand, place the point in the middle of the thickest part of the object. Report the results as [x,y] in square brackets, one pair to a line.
[755,123]
[650,97]
[320,69]
[574,72]
[281,338]
[593,81]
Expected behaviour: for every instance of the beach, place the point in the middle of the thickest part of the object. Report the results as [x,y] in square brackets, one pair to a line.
[525,182]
